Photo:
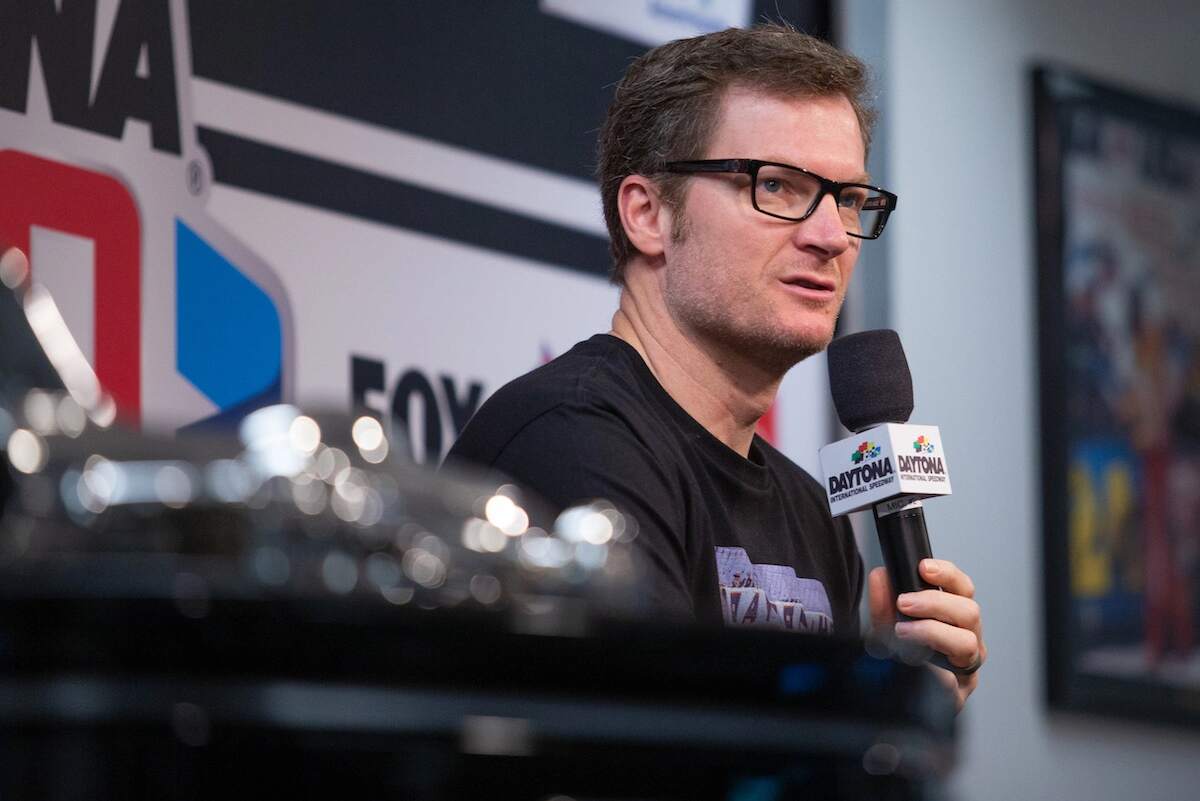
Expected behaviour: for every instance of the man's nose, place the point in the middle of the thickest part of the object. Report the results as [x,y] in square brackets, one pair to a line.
[824,229]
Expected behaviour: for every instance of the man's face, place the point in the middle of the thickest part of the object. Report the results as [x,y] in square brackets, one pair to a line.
[765,289]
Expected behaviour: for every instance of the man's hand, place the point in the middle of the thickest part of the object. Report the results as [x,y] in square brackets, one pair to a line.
[949,620]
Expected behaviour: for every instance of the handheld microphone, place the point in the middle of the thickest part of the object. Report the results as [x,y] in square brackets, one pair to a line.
[888,465]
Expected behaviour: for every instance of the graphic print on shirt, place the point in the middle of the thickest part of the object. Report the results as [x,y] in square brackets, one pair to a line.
[772,596]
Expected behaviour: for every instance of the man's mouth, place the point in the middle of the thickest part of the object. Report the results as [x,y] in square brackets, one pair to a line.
[812,285]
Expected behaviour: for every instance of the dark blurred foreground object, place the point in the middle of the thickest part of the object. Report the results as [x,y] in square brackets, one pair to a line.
[144,698]
[290,610]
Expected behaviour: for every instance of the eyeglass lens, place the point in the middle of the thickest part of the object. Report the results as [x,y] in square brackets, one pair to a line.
[792,194]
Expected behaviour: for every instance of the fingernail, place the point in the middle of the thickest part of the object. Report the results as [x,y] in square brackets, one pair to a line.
[905,601]
[931,566]
[904,628]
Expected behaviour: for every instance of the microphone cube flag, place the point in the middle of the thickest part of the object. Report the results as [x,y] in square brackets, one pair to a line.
[893,460]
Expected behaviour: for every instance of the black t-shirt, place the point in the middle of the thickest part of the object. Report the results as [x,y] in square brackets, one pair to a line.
[724,538]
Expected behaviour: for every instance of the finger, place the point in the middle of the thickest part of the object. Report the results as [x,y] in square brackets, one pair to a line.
[944,606]
[944,677]
[948,576]
[879,598]
[960,646]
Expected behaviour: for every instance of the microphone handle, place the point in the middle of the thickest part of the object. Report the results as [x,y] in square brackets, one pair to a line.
[904,541]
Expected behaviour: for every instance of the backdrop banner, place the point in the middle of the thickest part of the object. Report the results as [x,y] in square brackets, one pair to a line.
[387,206]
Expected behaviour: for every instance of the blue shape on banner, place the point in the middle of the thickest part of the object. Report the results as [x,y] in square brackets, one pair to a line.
[227,333]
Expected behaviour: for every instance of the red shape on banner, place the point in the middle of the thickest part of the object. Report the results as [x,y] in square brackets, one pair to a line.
[766,425]
[89,204]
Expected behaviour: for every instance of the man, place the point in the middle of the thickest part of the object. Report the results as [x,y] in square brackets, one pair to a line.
[733,266]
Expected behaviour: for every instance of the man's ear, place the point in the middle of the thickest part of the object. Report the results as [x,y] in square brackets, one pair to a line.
[646,219]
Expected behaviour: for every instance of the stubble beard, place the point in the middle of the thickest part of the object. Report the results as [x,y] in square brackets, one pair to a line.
[733,323]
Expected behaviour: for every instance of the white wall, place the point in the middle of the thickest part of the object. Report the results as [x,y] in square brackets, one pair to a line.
[963,299]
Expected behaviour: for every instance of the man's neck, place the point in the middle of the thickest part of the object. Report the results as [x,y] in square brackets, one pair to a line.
[722,392]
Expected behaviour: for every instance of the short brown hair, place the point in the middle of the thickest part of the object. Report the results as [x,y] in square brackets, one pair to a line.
[666,106]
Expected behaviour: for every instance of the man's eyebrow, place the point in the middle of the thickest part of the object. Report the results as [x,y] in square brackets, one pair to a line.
[861,178]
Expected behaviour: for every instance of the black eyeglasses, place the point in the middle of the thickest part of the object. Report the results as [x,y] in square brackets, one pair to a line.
[792,193]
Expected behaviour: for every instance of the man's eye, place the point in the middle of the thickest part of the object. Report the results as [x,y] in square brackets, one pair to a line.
[853,199]
[776,186]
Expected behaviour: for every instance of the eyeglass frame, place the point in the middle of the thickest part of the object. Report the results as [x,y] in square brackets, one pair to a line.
[752,166]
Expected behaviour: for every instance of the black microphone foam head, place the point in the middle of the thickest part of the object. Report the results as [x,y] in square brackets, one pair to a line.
[869,378]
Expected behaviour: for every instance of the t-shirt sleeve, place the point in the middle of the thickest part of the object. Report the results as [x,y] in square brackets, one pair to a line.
[574,454]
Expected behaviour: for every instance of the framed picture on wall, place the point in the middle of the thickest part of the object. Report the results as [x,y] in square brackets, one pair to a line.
[1118,238]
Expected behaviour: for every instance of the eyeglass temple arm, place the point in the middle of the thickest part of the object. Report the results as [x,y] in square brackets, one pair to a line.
[709,165]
